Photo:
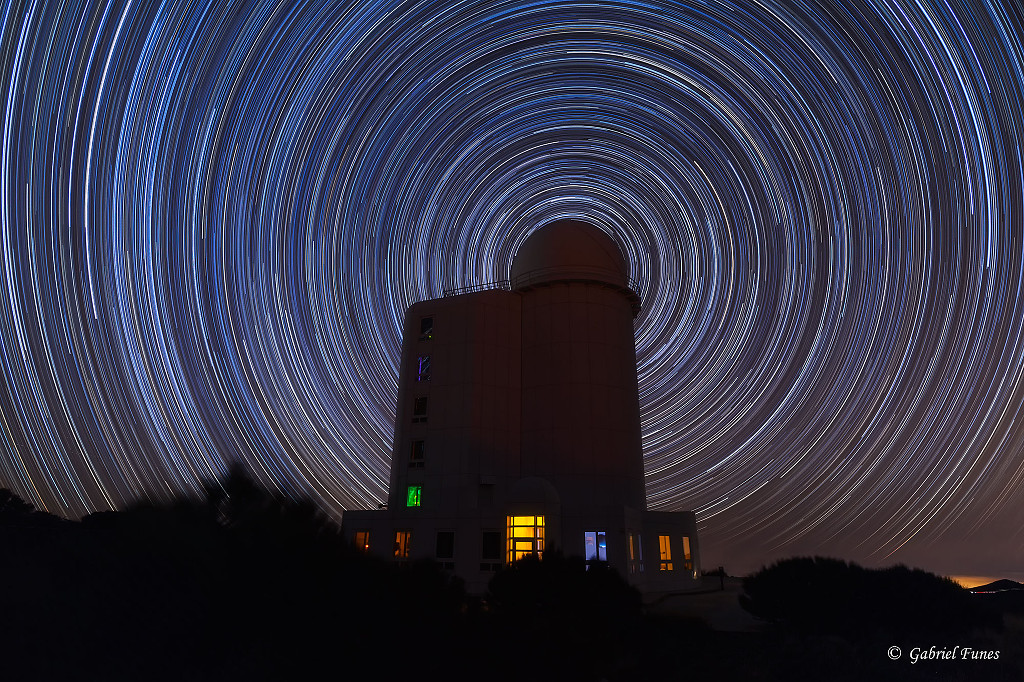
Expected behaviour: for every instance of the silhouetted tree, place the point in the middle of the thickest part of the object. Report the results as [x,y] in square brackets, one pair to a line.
[832,597]
[12,505]
[579,615]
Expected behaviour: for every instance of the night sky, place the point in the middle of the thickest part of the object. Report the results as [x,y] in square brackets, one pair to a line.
[215,214]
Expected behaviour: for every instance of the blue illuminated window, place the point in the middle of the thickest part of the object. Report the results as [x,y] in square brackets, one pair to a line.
[423,368]
[595,545]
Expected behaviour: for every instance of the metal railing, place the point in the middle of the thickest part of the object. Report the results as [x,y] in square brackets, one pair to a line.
[565,274]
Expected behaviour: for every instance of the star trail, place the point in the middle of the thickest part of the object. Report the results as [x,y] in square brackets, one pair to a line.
[215,214]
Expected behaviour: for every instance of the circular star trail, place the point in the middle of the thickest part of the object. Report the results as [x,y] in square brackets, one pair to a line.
[215,214]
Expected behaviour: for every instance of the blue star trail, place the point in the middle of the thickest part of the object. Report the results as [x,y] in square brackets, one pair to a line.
[214,215]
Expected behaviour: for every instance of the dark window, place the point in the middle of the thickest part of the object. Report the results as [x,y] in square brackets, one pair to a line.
[419,409]
[485,496]
[445,544]
[426,328]
[423,368]
[416,455]
[491,548]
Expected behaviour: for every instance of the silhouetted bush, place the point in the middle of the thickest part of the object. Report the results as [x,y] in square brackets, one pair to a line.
[579,616]
[241,584]
[833,597]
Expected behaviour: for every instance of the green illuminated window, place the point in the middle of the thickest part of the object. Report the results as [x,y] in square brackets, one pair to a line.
[412,499]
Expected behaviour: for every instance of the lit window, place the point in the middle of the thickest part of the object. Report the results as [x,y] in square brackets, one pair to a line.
[426,328]
[595,546]
[416,455]
[402,541]
[363,540]
[423,368]
[525,536]
[665,549]
[636,554]
[419,409]
[412,498]
[687,557]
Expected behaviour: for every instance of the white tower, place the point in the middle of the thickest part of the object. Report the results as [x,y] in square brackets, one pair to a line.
[518,425]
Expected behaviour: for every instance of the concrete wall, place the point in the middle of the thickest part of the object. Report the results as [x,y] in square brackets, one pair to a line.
[471,434]
[581,413]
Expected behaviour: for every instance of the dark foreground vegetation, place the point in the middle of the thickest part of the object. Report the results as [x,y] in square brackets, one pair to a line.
[245,585]
[830,619]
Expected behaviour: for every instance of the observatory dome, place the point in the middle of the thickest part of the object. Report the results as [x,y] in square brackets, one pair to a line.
[569,250]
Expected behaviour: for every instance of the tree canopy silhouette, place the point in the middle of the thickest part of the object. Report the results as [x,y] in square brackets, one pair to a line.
[830,596]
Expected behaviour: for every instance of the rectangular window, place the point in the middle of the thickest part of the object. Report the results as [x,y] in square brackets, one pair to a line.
[687,557]
[362,540]
[423,368]
[636,554]
[485,495]
[426,328]
[416,455]
[419,409]
[491,546]
[525,535]
[665,549]
[595,545]
[412,497]
[490,550]
[403,539]
[445,548]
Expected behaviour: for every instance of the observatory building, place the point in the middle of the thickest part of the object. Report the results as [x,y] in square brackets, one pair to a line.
[518,425]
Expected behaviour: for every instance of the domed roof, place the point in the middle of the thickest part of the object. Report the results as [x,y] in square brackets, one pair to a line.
[569,250]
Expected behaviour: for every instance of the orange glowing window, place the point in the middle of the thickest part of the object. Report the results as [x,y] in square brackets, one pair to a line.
[687,556]
[402,539]
[665,549]
[636,554]
[525,535]
[363,540]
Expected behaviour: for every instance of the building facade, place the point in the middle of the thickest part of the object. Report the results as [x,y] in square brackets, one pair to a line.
[518,426]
